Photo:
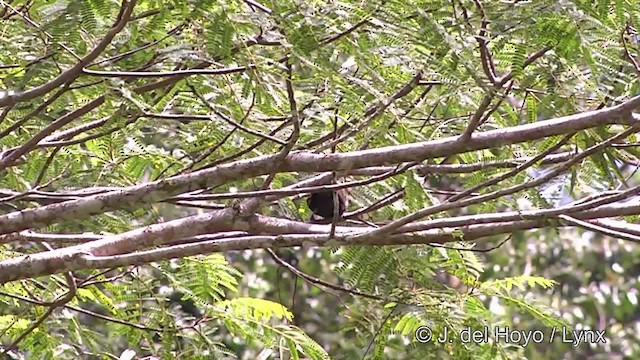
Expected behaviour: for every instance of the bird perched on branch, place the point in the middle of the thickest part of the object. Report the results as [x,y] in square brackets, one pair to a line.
[321,203]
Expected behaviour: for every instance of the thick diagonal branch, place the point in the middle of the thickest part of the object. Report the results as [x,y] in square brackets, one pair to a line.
[138,195]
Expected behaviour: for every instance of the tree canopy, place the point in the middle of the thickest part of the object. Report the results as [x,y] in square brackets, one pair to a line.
[156,157]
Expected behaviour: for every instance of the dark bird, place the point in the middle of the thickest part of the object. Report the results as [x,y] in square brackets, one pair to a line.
[321,203]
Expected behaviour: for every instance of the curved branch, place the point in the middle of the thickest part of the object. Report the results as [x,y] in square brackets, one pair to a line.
[76,70]
[116,250]
[160,190]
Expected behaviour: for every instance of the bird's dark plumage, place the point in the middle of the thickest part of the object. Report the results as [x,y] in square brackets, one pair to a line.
[321,203]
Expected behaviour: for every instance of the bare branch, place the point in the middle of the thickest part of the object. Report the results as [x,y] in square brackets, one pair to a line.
[161,74]
[303,161]
[80,257]
[555,171]
[75,71]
